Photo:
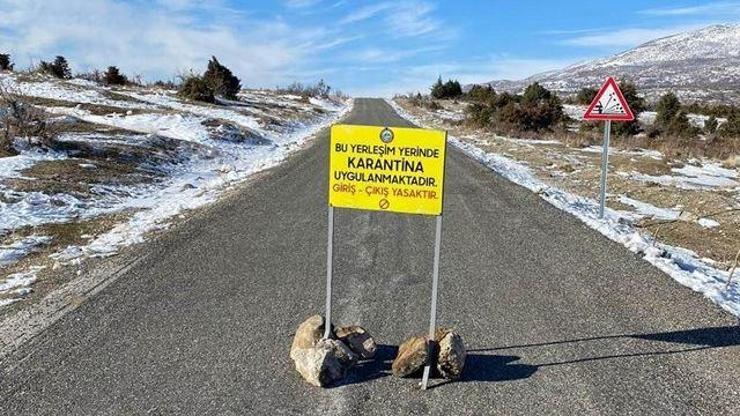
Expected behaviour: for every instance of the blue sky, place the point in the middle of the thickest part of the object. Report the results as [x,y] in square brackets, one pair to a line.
[361,47]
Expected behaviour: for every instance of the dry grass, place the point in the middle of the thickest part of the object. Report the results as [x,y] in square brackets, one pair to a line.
[67,176]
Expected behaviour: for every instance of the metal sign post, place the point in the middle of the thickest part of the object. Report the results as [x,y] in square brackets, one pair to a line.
[433,315]
[608,104]
[329,264]
[604,167]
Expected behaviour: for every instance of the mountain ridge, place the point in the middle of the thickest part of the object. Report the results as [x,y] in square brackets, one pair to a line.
[700,65]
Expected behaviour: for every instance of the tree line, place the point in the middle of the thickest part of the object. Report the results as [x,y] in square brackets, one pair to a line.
[539,110]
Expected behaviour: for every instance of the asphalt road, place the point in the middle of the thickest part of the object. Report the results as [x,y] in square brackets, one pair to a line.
[557,319]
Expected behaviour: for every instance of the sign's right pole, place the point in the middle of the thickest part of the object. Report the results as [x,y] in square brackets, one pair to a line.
[329,264]
[604,167]
[433,316]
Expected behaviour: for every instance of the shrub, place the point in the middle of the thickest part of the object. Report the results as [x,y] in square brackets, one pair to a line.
[717,110]
[668,108]
[710,126]
[480,93]
[5,62]
[114,77]
[93,75]
[320,89]
[194,87]
[537,109]
[534,93]
[679,126]
[59,68]
[449,89]
[479,114]
[586,96]
[540,109]
[19,118]
[732,127]
[220,80]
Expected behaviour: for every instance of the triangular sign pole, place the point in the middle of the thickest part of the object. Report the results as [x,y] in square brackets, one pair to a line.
[608,105]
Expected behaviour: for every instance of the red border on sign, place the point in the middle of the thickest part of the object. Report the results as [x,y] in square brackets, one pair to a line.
[628,116]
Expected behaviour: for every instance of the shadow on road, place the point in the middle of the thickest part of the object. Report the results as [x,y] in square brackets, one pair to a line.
[368,370]
[491,368]
[700,338]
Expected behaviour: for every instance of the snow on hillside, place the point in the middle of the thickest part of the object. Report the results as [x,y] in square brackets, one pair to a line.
[138,152]
[702,64]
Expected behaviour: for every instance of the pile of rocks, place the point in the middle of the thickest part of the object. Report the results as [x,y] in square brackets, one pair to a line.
[448,355]
[322,362]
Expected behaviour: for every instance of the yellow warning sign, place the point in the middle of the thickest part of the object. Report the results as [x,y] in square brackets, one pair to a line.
[387,169]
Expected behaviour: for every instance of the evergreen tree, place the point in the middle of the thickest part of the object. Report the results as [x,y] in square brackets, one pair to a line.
[438,88]
[667,108]
[534,93]
[59,68]
[5,63]
[710,126]
[449,89]
[586,96]
[220,79]
[480,93]
[195,88]
[732,127]
[540,109]
[679,126]
[114,77]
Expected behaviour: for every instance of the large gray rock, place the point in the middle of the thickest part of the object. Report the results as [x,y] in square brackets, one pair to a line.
[308,334]
[451,354]
[411,358]
[358,340]
[324,363]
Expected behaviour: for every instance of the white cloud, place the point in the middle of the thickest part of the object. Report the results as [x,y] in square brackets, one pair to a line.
[365,12]
[418,78]
[156,40]
[299,4]
[725,9]
[409,18]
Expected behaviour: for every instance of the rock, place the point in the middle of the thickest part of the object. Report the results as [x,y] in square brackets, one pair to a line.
[308,334]
[325,362]
[412,356]
[344,354]
[358,340]
[319,366]
[451,354]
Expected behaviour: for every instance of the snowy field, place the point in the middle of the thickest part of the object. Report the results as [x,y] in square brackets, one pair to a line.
[183,156]
[685,266]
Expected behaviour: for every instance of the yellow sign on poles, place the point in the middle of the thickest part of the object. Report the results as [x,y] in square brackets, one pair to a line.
[387,169]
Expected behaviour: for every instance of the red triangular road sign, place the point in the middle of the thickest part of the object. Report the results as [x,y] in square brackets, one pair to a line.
[609,104]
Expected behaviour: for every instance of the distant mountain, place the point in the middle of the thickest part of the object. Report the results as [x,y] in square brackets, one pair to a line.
[702,65]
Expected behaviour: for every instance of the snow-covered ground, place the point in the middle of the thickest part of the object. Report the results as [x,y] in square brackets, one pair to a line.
[683,265]
[708,175]
[207,161]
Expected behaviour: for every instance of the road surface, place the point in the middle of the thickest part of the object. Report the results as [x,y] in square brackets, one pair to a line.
[557,319]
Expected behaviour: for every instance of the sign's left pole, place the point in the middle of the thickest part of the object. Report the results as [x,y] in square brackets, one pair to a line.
[604,167]
[329,264]
[433,316]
